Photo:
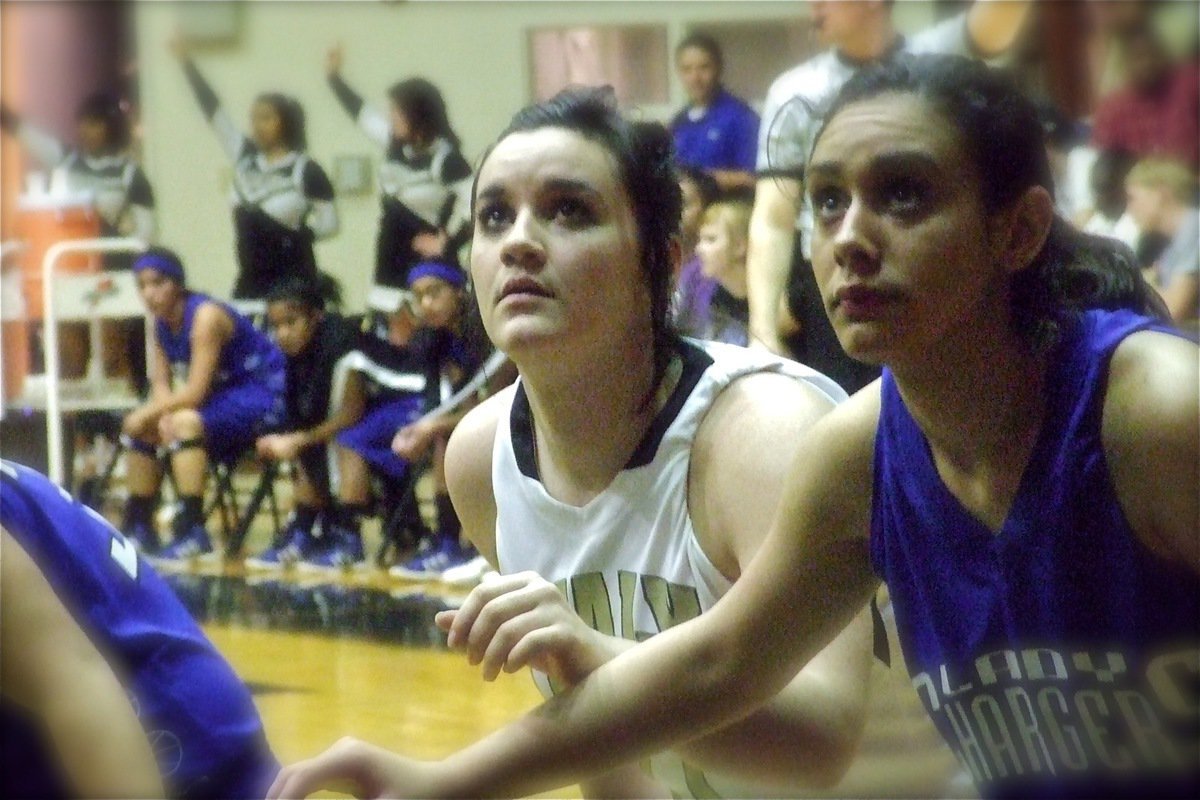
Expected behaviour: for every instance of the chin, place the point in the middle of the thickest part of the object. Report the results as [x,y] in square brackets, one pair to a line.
[517,335]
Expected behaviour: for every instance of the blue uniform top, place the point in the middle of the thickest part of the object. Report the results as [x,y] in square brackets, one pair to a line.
[1059,655]
[198,715]
[724,137]
[248,357]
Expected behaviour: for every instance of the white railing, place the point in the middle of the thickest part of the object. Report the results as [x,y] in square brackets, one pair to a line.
[54,433]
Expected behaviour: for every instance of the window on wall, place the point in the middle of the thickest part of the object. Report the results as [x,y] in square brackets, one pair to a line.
[632,59]
[758,51]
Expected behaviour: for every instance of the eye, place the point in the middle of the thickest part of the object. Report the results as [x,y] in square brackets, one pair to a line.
[829,202]
[572,212]
[904,196]
[492,217]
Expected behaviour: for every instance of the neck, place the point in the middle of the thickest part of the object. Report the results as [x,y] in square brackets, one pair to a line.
[977,397]
[871,43]
[174,316]
[275,151]
[1173,219]
[736,282]
[589,413]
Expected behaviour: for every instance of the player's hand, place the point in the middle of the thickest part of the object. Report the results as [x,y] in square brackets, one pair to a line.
[358,768]
[166,428]
[513,621]
[136,422]
[335,57]
[279,446]
[413,441]
[178,46]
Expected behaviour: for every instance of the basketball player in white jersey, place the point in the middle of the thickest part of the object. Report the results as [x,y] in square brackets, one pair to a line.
[629,476]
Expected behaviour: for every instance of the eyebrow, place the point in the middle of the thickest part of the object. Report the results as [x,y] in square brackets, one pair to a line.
[892,161]
[555,185]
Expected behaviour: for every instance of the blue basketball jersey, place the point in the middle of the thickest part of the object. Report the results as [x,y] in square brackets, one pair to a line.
[248,356]
[198,715]
[1059,656]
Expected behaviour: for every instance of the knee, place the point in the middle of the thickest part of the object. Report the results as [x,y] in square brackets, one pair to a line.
[186,424]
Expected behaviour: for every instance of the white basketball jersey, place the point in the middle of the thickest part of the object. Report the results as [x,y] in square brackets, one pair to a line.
[628,561]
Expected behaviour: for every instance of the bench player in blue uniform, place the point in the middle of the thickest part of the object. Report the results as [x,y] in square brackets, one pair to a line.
[217,383]
[110,689]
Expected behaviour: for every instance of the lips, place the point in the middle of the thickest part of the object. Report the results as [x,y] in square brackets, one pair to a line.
[858,302]
[522,286]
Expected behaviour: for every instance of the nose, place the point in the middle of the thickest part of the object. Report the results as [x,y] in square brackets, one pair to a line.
[522,246]
[854,245]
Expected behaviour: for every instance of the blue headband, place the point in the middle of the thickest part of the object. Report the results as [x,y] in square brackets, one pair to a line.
[169,267]
[436,269]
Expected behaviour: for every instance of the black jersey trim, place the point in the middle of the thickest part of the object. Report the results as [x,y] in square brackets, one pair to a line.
[695,362]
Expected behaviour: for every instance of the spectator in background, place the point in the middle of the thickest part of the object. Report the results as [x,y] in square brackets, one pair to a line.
[782,290]
[722,251]
[1107,183]
[693,289]
[716,132]
[424,180]
[1157,112]
[282,200]
[1162,200]
[101,168]
[1070,162]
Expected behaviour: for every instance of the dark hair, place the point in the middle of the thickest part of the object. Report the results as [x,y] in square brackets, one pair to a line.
[308,292]
[162,260]
[423,106]
[706,185]
[291,118]
[702,41]
[106,108]
[643,152]
[1003,138]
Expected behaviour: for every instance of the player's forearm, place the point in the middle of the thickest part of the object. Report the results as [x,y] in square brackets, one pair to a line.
[732,179]
[767,263]
[614,717]
[805,738]
[100,743]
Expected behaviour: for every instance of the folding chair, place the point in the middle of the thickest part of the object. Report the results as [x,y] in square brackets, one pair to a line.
[236,519]
[404,527]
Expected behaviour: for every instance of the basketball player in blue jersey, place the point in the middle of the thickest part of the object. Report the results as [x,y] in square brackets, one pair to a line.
[1023,476]
[217,383]
[108,688]
[282,200]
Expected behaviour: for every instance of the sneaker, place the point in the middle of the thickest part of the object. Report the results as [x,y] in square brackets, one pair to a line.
[189,545]
[144,537]
[430,564]
[339,549]
[468,574]
[295,544]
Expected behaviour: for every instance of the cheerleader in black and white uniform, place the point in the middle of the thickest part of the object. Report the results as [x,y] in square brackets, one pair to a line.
[282,200]
[424,181]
